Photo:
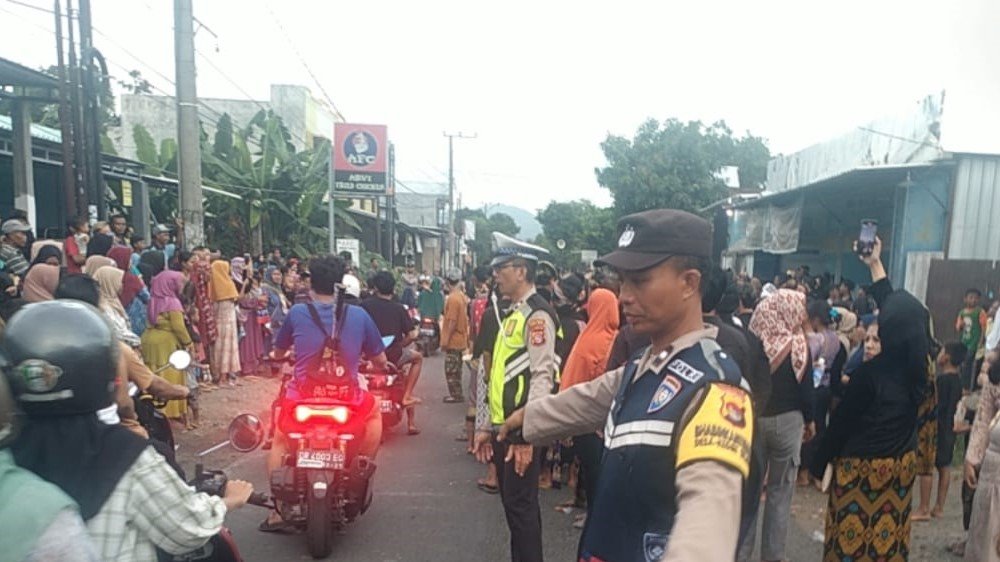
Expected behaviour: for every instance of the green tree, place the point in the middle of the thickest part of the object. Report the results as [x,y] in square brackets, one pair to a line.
[485,227]
[581,225]
[674,164]
[158,162]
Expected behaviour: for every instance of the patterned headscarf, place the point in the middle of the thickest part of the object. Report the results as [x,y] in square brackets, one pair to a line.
[237,266]
[778,323]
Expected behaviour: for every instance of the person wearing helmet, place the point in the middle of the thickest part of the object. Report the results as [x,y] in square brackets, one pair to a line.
[39,521]
[60,358]
[307,328]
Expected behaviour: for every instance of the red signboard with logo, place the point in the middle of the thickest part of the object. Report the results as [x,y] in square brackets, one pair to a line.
[359,159]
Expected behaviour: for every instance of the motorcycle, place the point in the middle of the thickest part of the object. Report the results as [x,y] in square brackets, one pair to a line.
[323,483]
[222,547]
[387,388]
[429,338]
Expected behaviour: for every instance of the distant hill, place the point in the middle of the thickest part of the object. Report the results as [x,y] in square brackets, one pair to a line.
[530,227]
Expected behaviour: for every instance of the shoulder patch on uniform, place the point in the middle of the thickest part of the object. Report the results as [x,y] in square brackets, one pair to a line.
[720,429]
[536,331]
[685,371]
[668,389]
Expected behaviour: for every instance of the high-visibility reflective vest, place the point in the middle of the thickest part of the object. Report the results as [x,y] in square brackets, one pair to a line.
[510,373]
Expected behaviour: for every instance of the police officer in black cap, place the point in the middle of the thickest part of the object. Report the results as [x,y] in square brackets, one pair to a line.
[523,368]
[677,418]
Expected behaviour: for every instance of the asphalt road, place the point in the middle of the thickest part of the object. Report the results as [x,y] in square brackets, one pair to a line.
[427,506]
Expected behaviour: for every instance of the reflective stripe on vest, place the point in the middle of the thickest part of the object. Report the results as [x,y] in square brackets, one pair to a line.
[510,364]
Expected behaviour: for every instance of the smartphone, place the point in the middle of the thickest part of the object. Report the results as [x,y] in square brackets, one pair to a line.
[866,240]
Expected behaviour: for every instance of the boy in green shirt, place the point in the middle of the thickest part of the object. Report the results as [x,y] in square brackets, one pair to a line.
[971,328]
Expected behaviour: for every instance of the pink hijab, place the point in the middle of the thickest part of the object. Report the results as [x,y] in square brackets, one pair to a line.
[165,294]
[778,323]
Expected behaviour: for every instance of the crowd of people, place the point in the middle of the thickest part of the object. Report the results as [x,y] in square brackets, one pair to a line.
[822,384]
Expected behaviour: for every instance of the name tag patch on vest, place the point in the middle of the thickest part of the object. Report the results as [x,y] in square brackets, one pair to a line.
[536,331]
[654,545]
[685,371]
[669,388]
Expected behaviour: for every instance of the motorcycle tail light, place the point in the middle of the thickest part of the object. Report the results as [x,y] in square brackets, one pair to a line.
[305,412]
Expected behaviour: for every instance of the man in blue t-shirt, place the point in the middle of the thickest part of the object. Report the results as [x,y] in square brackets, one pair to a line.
[359,337]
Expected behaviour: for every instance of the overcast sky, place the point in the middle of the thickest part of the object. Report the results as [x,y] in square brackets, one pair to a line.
[542,83]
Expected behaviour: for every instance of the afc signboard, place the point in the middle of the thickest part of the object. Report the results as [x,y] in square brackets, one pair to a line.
[359,159]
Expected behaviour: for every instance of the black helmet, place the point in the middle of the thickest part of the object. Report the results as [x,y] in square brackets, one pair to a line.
[60,358]
[8,415]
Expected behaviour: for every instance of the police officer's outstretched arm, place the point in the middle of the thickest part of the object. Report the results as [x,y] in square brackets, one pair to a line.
[713,459]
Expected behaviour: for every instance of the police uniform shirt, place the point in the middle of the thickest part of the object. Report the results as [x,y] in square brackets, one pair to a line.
[540,339]
[709,494]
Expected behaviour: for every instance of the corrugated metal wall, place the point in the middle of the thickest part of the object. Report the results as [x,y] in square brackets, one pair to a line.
[975,223]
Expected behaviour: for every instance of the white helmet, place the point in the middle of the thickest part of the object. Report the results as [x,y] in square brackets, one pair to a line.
[352,285]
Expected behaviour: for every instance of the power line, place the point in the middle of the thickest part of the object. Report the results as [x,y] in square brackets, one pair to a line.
[302,60]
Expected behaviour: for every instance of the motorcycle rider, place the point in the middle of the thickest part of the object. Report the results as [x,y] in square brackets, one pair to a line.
[60,359]
[359,336]
[131,368]
[678,418]
[392,320]
[523,366]
[39,521]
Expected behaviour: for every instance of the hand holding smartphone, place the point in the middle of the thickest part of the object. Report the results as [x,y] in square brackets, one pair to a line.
[866,239]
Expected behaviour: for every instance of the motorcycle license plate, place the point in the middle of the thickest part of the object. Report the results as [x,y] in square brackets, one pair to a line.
[321,459]
[426,331]
[386,406]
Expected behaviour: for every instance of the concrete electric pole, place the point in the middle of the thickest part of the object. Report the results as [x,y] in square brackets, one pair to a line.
[452,252]
[188,133]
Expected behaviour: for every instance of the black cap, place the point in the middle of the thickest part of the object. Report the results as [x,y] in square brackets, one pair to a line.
[506,248]
[649,238]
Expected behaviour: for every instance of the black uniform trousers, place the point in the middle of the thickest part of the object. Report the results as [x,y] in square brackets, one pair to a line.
[519,495]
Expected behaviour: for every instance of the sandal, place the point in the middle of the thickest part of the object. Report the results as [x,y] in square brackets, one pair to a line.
[492,490]
[413,431]
[267,526]
[452,400]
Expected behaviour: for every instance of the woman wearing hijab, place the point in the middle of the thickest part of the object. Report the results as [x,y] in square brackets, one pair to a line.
[251,301]
[50,254]
[201,276]
[166,333]
[134,295]
[109,280]
[871,440]
[276,309]
[226,351]
[40,283]
[97,262]
[586,362]
[430,303]
[787,417]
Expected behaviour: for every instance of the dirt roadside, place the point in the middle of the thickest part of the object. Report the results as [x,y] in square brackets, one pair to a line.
[217,409]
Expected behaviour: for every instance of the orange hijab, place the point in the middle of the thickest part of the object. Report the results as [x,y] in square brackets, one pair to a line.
[589,357]
[220,285]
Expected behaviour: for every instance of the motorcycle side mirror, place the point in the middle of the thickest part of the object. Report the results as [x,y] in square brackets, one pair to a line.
[246,433]
[180,360]
[387,341]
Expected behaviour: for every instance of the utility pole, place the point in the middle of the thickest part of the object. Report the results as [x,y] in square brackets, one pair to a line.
[65,120]
[188,133]
[391,207]
[94,175]
[452,251]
